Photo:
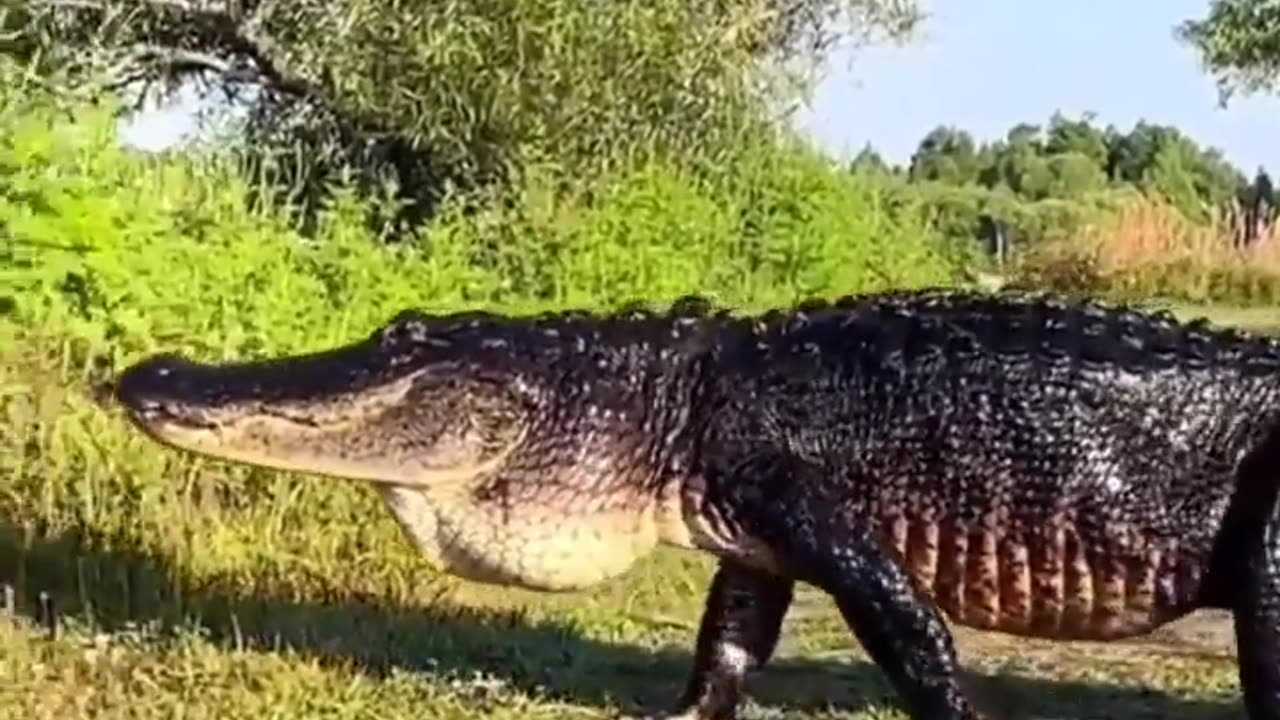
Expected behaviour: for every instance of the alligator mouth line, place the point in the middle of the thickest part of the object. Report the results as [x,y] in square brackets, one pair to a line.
[155,416]
[159,393]
[150,414]
[340,431]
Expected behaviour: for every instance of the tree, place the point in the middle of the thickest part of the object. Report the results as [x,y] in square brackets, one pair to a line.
[869,161]
[1172,175]
[1262,190]
[1076,136]
[946,154]
[1239,43]
[1074,175]
[470,98]
[1132,155]
[1016,162]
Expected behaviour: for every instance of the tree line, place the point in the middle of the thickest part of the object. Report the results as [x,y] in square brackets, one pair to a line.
[420,104]
[1076,162]
[1069,159]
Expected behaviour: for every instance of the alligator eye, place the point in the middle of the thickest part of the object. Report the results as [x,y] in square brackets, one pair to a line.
[406,326]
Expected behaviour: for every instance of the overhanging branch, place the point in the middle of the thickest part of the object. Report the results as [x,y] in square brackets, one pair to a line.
[173,38]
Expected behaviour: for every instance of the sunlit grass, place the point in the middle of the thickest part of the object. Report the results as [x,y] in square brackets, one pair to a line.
[289,596]
[192,588]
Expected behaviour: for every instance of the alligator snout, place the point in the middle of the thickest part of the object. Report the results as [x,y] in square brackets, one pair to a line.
[153,386]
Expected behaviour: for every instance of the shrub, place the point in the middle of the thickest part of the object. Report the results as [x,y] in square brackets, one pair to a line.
[108,255]
[1147,248]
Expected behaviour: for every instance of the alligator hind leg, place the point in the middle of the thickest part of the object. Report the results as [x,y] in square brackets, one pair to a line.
[900,628]
[902,632]
[1257,614]
[739,632]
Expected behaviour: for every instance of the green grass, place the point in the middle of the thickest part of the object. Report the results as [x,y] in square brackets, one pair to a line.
[623,648]
[1262,319]
[146,674]
[622,651]
[192,588]
[313,606]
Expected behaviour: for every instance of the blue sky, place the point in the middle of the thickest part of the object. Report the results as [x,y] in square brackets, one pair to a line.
[984,65]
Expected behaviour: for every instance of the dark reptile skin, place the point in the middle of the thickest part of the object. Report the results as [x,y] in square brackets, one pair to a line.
[740,629]
[1021,464]
[1031,465]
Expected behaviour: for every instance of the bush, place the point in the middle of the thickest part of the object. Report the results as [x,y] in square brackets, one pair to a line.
[474,96]
[956,214]
[109,255]
[1148,248]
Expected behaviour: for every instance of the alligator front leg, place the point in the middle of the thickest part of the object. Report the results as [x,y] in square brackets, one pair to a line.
[739,632]
[1257,615]
[900,628]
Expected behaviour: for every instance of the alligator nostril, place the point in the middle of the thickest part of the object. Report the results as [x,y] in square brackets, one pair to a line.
[143,385]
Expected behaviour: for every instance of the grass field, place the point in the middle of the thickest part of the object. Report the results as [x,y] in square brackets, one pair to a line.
[140,639]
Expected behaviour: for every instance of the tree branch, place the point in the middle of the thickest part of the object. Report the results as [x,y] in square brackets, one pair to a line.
[160,43]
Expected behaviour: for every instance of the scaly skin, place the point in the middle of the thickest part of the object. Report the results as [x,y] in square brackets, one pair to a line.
[1019,464]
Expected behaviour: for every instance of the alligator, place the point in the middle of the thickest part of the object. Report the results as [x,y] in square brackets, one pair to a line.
[1018,462]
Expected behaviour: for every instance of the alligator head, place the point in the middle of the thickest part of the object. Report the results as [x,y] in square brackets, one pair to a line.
[395,408]
[492,469]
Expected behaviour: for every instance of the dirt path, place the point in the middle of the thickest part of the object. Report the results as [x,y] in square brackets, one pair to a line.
[1210,631]
[1207,634]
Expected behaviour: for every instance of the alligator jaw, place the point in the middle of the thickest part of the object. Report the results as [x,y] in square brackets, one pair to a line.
[359,412]
[493,471]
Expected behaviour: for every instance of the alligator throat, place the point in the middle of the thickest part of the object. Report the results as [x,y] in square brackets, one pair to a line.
[538,548]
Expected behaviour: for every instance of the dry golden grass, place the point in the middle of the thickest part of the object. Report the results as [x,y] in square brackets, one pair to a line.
[1148,232]
[1146,248]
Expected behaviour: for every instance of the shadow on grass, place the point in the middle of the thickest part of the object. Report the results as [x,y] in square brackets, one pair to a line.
[127,586]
